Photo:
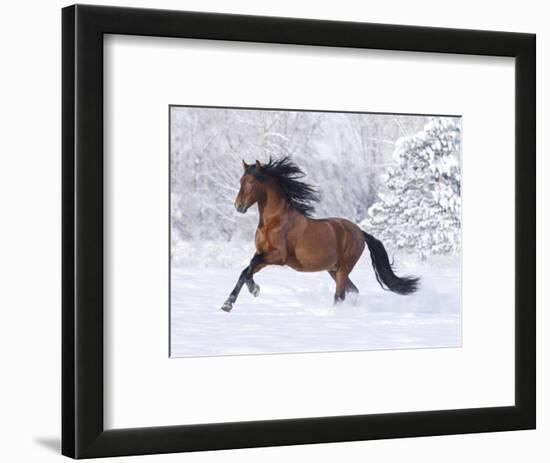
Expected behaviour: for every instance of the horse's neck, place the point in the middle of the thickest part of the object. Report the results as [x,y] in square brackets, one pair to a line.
[273,206]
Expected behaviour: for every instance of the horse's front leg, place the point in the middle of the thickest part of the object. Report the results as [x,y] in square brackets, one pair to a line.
[228,304]
[259,262]
[253,287]
[244,277]
[253,267]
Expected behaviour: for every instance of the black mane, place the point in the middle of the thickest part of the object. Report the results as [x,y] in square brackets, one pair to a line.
[299,194]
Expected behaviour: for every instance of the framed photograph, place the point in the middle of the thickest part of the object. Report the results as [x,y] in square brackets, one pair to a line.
[397,176]
[285,231]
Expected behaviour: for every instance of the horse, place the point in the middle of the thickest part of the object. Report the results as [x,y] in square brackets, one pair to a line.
[287,234]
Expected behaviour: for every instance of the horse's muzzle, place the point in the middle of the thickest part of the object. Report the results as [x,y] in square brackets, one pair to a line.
[241,208]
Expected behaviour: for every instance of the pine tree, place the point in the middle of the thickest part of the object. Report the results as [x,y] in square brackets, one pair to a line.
[421,210]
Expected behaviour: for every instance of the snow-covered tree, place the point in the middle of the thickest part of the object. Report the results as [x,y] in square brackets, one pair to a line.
[420,209]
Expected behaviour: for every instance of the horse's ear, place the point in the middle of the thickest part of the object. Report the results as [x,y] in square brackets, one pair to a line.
[258,165]
[245,165]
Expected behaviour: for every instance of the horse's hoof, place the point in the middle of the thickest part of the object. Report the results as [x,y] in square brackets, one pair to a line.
[227,306]
[255,290]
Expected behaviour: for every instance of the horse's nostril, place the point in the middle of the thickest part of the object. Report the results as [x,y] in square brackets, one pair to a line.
[240,207]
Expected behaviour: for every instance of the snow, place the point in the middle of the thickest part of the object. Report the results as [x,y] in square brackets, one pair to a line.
[294,311]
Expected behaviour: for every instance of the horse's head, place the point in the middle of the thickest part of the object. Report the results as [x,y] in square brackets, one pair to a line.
[251,190]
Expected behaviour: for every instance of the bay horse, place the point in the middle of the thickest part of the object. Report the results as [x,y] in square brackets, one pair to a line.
[288,235]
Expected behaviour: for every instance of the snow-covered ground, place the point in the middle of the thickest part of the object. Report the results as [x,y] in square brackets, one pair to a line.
[294,311]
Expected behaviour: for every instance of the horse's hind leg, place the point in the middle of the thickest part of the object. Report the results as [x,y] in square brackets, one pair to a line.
[350,286]
[340,277]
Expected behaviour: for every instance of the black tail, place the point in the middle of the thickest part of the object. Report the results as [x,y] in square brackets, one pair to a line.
[383,269]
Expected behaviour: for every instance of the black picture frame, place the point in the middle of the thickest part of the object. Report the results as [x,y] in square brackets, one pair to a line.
[83,433]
